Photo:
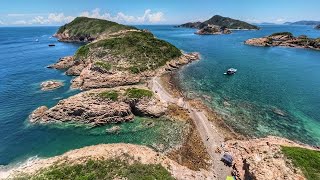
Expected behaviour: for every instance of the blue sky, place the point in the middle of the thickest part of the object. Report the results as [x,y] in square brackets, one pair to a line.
[57,12]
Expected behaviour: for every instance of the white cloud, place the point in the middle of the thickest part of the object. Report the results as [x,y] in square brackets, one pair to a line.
[52,18]
[120,17]
[147,17]
[1,22]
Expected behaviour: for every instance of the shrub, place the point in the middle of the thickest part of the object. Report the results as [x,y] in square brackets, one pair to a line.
[112,95]
[102,169]
[82,52]
[307,160]
[104,65]
[138,93]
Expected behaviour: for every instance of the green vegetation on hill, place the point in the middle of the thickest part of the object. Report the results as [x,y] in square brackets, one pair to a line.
[307,160]
[104,65]
[90,27]
[82,52]
[228,23]
[102,169]
[282,34]
[224,22]
[141,50]
[138,93]
[112,95]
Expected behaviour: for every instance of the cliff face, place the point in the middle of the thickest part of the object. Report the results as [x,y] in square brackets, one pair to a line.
[223,22]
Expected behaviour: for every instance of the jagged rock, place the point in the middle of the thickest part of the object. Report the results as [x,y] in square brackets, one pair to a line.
[75,70]
[151,108]
[63,63]
[262,159]
[90,108]
[37,114]
[90,79]
[50,85]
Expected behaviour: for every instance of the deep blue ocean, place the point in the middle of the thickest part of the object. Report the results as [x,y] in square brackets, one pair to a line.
[268,79]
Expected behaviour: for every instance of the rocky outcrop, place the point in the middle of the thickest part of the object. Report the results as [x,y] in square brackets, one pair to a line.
[93,108]
[285,39]
[50,85]
[317,27]
[213,29]
[63,63]
[37,114]
[92,79]
[89,76]
[263,159]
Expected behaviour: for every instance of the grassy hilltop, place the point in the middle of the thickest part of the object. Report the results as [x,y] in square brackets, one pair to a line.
[84,26]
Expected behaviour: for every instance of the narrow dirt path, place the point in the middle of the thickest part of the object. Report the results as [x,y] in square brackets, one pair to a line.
[208,133]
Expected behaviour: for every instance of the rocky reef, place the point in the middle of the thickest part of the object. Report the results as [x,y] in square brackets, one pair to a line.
[102,106]
[50,85]
[285,39]
[218,25]
[317,27]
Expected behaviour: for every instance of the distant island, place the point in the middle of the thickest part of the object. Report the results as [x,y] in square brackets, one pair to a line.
[285,39]
[219,25]
[309,23]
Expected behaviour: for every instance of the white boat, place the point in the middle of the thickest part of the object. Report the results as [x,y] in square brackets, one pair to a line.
[231,71]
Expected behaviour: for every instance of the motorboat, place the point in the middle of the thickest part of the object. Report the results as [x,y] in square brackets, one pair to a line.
[231,71]
[50,45]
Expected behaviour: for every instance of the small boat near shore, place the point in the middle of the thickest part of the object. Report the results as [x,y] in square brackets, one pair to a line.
[51,45]
[231,71]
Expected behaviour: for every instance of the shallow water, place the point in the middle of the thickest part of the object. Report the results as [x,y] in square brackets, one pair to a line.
[268,80]
[23,64]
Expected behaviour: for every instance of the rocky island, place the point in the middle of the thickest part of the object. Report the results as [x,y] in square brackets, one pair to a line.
[50,85]
[219,25]
[285,39]
[116,64]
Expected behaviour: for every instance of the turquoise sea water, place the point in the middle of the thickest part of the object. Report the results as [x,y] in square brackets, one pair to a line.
[268,80]
[23,64]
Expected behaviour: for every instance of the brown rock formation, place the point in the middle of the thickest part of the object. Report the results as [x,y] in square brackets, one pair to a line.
[263,159]
[63,63]
[90,108]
